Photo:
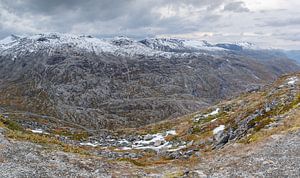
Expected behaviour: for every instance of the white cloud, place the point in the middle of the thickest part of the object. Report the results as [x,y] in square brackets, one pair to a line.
[257,5]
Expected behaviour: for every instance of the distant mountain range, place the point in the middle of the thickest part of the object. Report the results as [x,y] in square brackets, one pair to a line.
[119,45]
[293,54]
[121,82]
[19,45]
[15,45]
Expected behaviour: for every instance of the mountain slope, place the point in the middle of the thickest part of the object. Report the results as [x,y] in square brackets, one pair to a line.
[293,54]
[254,134]
[122,82]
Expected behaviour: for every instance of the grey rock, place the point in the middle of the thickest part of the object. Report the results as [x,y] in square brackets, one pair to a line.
[175,155]
[190,143]
[198,154]
[157,143]
[196,173]
[189,153]
[148,137]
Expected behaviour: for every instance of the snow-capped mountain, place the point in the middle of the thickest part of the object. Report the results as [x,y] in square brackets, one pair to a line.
[50,42]
[179,45]
[238,46]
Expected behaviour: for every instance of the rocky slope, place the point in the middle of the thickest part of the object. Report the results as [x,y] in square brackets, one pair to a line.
[122,82]
[255,134]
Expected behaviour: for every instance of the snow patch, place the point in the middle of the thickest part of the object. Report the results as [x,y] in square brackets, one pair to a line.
[7,40]
[199,116]
[155,138]
[38,131]
[200,45]
[247,45]
[292,80]
[125,148]
[155,148]
[123,141]
[171,132]
[89,144]
[218,129]
[215,112]
[214,120]
[177,149]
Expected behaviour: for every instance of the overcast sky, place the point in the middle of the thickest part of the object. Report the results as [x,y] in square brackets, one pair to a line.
[274,23]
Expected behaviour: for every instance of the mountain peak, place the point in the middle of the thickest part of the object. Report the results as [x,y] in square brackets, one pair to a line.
[247,45]
[122,40]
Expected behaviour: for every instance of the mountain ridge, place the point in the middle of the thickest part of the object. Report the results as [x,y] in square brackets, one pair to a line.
[122,82]
[98,45]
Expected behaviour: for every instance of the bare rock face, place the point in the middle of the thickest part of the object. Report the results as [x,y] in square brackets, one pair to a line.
[122,82]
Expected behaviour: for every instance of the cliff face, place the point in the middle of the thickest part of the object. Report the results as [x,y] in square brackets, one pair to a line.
[107,84]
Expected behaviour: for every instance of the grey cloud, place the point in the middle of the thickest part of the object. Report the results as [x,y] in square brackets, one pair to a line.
[281,23]
[288,36]
[99,15]
[236,7]
[80,10]
[272,11]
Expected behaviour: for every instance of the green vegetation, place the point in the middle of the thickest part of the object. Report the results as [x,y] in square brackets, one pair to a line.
[45,140]
[16,132]
[2,124]
[293,123]
[174,175]
[76,135]
[261,121]
[135,162]
[10,124]
[35,138]
[221,116]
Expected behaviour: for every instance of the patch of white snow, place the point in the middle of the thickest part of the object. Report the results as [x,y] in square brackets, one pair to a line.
[215,112]
[292,80]
[171,132]
[150,144]
[214,120]
[125,148]
[177,149]
[218,129]
[200,45]
[39,131]
[89,144]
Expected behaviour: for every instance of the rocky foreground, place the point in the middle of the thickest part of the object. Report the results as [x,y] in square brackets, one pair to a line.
[278,156]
